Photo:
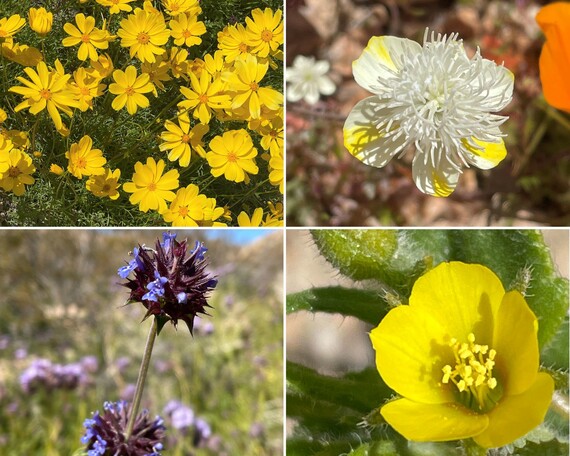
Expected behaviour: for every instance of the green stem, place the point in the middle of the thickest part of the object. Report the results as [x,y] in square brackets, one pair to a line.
[472,449]
[142,377]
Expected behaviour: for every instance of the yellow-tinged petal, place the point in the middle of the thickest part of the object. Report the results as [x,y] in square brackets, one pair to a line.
[516,415]
[364,141]
[410,353]
[433,423]
[554,63]
[464,298]
[516,344]
[435,181]
[379,60]
[487,155]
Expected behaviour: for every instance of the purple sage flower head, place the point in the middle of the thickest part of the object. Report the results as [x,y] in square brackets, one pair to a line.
[105,434]
[172,282]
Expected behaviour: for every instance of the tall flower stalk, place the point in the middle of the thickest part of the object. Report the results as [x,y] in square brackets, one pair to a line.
[173,284]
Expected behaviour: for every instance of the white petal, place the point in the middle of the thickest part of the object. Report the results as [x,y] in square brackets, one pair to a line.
[326,86]
[434,181]
[380,60]
[362,138]
[311,93]
[321,67]
[295,92]
[498,82]
[484,155]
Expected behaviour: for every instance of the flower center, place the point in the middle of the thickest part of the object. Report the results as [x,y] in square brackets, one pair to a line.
[3,33]
[254,86]
[84,91]
[106,188]
[115,2]
[129,91]
[473,375]
[151,187]
[45,93]
[186,33]
[81,163]
[232,157]
[143,38]
[14,172]
[185,138]
[242,47]
[183,211]
[266,35]
[203,98]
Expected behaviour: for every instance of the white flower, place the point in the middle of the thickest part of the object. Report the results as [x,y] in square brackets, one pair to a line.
[434,97]
[307,80]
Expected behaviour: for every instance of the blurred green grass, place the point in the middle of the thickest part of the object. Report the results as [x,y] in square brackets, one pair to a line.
[62,301]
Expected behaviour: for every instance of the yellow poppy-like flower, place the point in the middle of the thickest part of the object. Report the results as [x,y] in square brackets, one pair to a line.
[116,6]
[244,81]
[40,20]
[186,29]
[255,220]
[203,96]
[232,42]
[151,188]
[180,139]
[86,88]
[157,73]
[177,62]
[144,33]
[272,135]
[18,174]
[554,63]
[21,53]
[105,185]
[3,116]
[177,7]
[5,147]
[46,89]
[464,357]
[9,26]
[89,37]
[130,89]
[18,139]
[187,208]
[83,160]
[232,155]
[264,31]
[56,169]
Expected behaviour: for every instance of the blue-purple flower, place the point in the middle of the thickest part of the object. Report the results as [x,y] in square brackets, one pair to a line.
[105,434]
[171,282]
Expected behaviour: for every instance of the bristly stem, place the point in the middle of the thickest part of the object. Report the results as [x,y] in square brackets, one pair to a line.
[141,379]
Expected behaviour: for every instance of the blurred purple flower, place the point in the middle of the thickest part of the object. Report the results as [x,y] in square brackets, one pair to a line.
[105,434]
[122,363]
[20,353]
[128,392]
[42,373]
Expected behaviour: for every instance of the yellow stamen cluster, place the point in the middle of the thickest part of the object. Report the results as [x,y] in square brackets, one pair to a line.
[473,371]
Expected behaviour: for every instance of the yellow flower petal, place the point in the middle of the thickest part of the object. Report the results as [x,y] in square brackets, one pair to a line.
[516,415]
[433,423]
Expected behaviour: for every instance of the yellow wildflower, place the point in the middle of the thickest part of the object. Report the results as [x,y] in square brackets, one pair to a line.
[86,88]
[3,116]
[212,213]
[157,73]
[276,171]
[232,155]
[177,61]
[177,7]
[101,68]
[130,89]
[244,81]
[116,6]
[150,188]
[256,219]
[9,26]
[180,139]
[203,96]
[186,29]
[232,42]
[264,31]
[83,160]
[187,208]
[45,90]
[105,185]
[40,20]
[18,174]
[56,169]
[464,357]
[144,33]
[89,37]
